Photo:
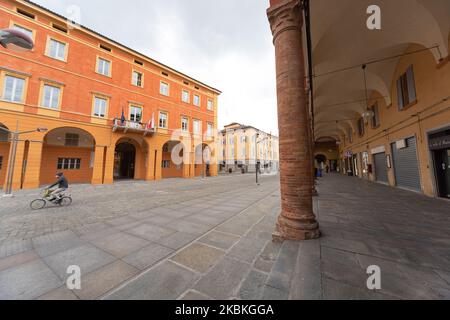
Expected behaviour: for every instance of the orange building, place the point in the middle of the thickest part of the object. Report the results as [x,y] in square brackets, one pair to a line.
[111,112]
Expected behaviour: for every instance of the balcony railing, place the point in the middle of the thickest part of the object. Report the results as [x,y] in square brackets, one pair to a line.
[132,126]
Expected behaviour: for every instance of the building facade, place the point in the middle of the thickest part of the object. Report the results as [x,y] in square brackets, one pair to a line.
[377,87]
[241,147]
[111,112]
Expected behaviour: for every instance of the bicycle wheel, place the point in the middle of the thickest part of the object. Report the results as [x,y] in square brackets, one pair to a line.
[66,201]
[38,204]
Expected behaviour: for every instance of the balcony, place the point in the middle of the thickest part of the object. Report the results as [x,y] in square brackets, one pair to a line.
[132,126]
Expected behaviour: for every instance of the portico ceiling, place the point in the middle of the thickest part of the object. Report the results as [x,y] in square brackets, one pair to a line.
[341,40]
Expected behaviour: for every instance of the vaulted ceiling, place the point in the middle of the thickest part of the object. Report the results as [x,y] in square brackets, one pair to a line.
[341,39]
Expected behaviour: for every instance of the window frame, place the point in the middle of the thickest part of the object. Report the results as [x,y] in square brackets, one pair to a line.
[212,130]
[188,96]
[12,23]
[142,78]
[97,65]
[161,82]
[99,96]
[12,74]
[167,120]
[212,104]
[404,90]
[69,162]
[376,120]
[199,100]
[42,94]
[135,106]
[199,133]
[48,46]
[187,124]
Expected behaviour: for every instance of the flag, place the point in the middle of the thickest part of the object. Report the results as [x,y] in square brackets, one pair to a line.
[122,118]
[151,123]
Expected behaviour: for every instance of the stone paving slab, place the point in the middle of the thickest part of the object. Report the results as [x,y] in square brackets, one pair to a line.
[220,247]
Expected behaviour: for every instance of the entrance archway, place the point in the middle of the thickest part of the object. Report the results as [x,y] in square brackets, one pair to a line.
[4,153]
[124,161]
[202,160]
[172,159]
[68,150]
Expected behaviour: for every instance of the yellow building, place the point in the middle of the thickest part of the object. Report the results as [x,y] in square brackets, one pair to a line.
[241,147]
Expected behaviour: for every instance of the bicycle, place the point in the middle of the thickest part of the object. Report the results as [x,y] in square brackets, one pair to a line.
[62,200]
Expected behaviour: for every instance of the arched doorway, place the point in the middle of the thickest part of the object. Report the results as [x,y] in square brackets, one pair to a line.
[68,150]
[172,160]
[4,153]
[124,161]
[202,160]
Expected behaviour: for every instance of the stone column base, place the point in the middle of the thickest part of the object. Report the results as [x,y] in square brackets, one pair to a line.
[288,229]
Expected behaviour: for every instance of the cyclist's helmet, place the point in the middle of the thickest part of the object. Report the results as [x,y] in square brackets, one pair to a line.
[59,174]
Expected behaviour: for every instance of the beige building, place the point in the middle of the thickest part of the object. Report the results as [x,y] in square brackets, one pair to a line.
[241,147]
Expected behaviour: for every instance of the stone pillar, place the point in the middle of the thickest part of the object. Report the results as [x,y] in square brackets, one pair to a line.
[33,168]
[297,220]
[99,165]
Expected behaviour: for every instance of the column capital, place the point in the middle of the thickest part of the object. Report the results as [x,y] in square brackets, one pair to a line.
[286,15]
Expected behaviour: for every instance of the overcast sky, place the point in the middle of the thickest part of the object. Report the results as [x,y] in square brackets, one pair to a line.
[224,43]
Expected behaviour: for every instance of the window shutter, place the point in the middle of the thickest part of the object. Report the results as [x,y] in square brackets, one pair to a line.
[400,94]
[411,84]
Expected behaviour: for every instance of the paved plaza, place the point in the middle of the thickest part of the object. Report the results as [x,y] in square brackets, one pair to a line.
[211,239]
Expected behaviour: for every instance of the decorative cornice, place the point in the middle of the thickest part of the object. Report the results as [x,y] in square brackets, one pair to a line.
[287,15]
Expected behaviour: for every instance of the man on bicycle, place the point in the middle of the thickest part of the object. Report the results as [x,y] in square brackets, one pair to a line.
[62,184]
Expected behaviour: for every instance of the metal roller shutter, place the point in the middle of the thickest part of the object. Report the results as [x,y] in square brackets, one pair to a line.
[380,167]
[406,165]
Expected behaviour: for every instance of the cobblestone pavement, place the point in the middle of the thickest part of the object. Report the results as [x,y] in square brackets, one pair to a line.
[195,239]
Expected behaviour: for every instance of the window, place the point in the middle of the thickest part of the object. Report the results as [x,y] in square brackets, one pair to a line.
[163,120]
[51,97]
[27,31]
[166,148]
[210,105]
[138,62]
[14,88]
[406,89]
[350,135]
[361,127]
[1,162]
[103,47]
[69,164]
[59,28]
[72,140]
[196,100]
[138,79]
[376,116]
[197,127]
[184,124]
[166,164]
[104,67]
[164,88]
[209,131]
[57,49]
[185,96]
[100,106]
[26,14]
[135,114]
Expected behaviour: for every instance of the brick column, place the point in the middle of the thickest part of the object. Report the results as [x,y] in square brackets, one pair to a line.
[297,220]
